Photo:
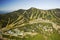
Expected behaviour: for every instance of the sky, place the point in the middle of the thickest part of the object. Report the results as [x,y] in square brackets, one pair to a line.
[11,5]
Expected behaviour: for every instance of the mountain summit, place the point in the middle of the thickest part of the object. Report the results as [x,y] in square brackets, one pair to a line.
[31,24]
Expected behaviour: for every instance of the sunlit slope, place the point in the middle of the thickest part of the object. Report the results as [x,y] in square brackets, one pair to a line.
[45,23]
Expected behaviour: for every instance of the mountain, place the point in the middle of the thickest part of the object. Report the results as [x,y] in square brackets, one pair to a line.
[31,24]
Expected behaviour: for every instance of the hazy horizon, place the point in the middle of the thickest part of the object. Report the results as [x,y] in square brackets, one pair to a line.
[12,5]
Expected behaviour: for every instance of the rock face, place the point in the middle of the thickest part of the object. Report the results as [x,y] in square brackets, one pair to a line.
[31,23]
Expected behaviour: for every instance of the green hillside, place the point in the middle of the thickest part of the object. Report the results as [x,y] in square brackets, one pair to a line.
[31,24]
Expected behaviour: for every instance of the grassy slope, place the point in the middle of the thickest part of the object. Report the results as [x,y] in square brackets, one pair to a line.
[30,19]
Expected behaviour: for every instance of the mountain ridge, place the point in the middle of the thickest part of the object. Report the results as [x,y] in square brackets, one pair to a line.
[16,14]
[33,20]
